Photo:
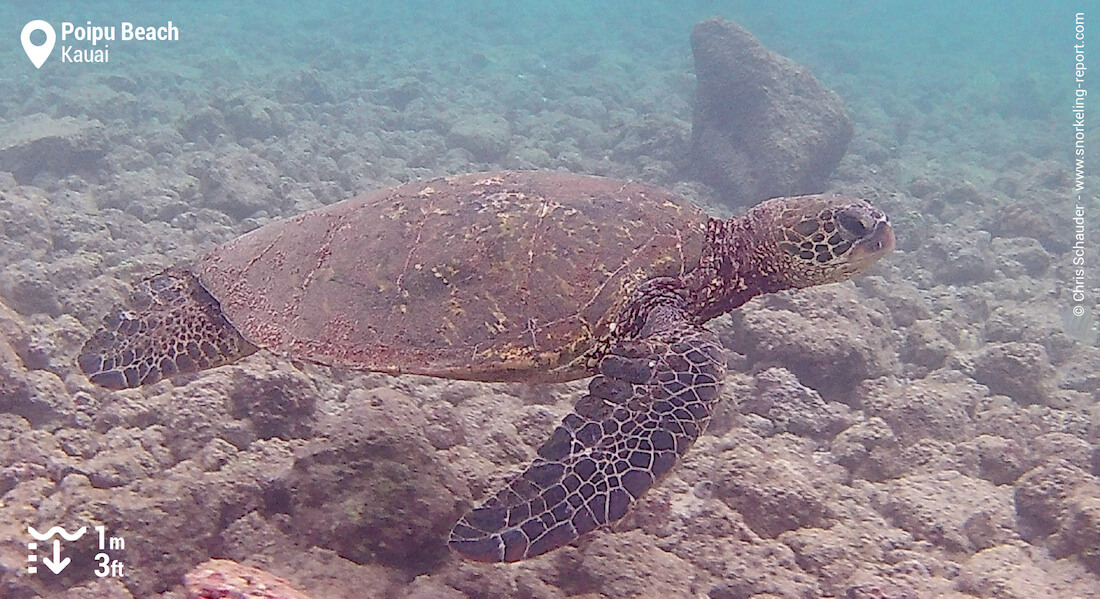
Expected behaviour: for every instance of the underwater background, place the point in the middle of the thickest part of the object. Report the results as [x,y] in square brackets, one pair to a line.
[931,429]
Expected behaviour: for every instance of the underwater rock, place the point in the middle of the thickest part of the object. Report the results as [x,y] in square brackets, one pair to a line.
[794,408]
[28,456]
[772,490]
[1082,373]
[1000,461]
[1041,496]
[958,256]
[206,124]
[926,409]
[868,450]
[38,143]
[1081,534]
[255,116]
[1021,255]
[487,137]
[401,91]
[763,126]
[174,518]
[925,347]
[371,487]
[37,395]
[1013,571]
[194,414]
[103,588]
[1060,503]
[34,288]
[226,579]
[164,193]
[279,403]
[622,567]
[1033,322]
[905,303]
[956,512]
[27,289]
[424,587]
[820,552]
[1021,371]
[810,334]
[324,574]
[23,224]
[305,87]
[1023,219]
[240,184]
[15,392]
[122,458]
[656,142]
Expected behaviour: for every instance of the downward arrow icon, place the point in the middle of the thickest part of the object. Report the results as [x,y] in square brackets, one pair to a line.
[56,565]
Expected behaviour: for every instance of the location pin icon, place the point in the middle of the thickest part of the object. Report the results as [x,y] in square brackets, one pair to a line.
[38,54]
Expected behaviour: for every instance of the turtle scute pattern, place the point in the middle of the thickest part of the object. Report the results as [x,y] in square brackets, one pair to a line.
[169,325]
[651,400]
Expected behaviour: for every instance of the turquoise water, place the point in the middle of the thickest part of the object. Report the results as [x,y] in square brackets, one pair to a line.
[890,431]
[964,61]
[896,47]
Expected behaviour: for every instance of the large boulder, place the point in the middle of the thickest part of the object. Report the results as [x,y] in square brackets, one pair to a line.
[763,125]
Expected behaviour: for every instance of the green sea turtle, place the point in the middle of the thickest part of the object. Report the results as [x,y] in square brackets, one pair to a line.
[512,276]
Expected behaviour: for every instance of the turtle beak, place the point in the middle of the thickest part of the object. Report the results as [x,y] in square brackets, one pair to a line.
[875,245]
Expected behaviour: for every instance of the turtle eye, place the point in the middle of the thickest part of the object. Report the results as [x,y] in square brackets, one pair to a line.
[850,220]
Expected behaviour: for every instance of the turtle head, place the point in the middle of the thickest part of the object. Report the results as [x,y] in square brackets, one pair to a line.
[824,238]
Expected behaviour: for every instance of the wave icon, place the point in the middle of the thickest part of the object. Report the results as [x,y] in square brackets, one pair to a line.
[57,530]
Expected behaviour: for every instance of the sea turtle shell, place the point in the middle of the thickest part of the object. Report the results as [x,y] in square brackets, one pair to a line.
[490,276]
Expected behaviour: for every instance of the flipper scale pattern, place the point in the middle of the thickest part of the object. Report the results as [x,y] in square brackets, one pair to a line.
[651,400]
[169,325]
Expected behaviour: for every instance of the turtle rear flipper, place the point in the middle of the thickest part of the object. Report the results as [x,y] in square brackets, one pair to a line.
[170,325]
[650,402]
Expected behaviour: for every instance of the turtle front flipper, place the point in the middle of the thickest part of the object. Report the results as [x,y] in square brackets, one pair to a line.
[650,402]
[170,325]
